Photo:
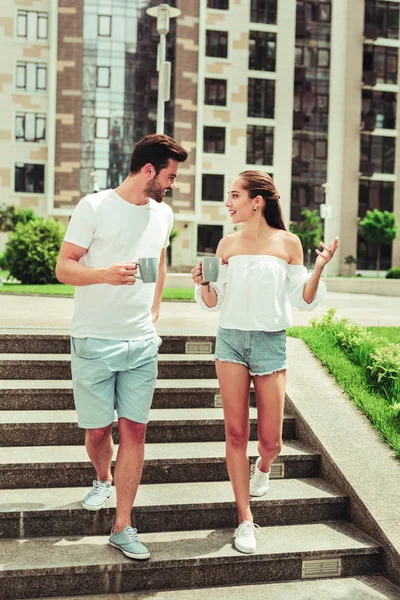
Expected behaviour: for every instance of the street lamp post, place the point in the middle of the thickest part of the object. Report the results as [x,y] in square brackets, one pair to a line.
[163,13]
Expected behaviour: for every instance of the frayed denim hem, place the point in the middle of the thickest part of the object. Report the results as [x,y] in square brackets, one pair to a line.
[229,360]
[267,372]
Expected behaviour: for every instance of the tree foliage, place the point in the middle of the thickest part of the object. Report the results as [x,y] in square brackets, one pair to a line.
[10,216]
[379,228]
[309,231]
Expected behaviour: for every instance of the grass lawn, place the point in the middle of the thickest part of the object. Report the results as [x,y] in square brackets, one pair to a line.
[351,378]
[60,289]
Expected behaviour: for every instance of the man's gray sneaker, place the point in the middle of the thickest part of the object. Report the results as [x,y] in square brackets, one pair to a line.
[98,495]
[128,542]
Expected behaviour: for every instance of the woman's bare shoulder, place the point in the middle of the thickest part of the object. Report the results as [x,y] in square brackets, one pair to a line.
[225,243]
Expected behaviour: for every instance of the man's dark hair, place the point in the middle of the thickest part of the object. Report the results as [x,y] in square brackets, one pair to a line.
[156,149]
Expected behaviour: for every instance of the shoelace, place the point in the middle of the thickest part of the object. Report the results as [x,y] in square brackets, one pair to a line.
[98,487]
[132,534]
[248,530]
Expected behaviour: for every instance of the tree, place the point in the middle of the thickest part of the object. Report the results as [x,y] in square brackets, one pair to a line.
[309,230]
[379,228]
[10,216]
[172,236]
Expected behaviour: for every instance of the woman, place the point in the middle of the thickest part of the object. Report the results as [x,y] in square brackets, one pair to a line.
[262,274]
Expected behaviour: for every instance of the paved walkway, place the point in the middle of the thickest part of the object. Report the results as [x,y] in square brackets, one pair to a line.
[34,312]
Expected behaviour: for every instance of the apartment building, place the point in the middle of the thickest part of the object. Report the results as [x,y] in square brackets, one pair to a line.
[304,90]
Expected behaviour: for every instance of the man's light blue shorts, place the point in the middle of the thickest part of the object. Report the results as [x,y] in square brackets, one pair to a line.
[108,374]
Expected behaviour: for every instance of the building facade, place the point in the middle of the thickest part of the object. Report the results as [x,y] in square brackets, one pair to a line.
[306,91]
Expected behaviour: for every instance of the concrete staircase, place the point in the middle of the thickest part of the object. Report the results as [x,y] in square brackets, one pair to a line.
[50,546]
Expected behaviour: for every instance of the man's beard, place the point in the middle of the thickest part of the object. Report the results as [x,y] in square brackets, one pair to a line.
[154,191]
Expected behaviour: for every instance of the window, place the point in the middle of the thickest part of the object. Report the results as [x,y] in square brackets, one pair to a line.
[103,77]
[384,16]
[102,127]
[261,98]
[299,55]
[260,145]
[263,11]
[29,178]
[262,51]
[380,107]
[323,58]
[213,187]
[321,149]
[104,25]
[32,26]
[217,44]
[375,194]
[324,12]
[31,77]
[379,151]
[208,237]
[214,140]
[215,92]
[382,61]
[219,4]
[30,127]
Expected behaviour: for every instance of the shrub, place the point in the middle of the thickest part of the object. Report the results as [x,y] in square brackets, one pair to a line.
[393,273]
[384,370]
[3,262]
[327,321]
[32,251]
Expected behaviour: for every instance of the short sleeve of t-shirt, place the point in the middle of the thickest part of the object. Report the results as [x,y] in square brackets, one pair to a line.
[171,224]
[82,225]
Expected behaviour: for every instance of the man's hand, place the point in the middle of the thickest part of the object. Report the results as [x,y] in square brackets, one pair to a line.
[120,274]
[155,313]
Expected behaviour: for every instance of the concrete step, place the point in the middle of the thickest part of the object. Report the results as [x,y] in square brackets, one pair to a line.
[42,567]
[57,394]
[167,507]
[58,366]
[68,466]
[26,343]
[367,587]
[171,425]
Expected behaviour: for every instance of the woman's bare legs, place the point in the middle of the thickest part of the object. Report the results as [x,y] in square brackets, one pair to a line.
[270,394]
[234,384]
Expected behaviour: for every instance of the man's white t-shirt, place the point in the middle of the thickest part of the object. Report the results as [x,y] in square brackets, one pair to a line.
[113,231]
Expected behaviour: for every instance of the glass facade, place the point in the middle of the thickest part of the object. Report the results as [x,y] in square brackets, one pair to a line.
[119,87]
[311,105]
[384,17]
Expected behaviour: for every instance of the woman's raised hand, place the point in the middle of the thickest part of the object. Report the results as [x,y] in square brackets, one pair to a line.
[328,251]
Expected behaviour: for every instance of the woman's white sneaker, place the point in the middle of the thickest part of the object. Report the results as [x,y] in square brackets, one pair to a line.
[259,483]
[245,537]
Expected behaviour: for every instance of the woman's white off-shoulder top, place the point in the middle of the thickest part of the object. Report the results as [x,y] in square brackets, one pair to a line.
[256,292]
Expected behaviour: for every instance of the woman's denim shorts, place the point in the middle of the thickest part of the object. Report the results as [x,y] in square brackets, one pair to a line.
[262,352]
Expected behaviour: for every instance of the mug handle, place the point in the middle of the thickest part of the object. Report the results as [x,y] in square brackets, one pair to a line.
[138,276]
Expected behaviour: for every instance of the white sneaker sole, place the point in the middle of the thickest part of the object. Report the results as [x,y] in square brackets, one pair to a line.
[130,554]
[258,494]
[94,508]
[245,549]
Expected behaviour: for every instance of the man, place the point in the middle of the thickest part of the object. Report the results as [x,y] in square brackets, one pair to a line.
[114,345]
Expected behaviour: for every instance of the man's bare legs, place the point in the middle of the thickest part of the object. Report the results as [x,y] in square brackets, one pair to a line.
[128,469]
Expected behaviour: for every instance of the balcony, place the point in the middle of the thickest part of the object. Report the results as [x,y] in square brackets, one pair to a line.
[299,74]
[301,28]
[298,120]
[369,78]
[371,32]
[369,122]
[366,168]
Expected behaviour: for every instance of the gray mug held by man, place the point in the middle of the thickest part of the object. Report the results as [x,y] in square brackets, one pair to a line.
[210,266]
[148,269]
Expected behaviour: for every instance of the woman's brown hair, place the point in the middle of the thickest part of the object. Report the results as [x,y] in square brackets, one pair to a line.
[257,183]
